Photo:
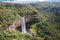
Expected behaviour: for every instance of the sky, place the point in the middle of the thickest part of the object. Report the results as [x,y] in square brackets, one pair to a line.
[30,0]
[53,0]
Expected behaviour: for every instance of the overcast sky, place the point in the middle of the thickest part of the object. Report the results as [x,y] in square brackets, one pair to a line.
[32,0]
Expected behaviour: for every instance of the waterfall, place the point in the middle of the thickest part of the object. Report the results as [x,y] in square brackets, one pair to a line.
[23,26]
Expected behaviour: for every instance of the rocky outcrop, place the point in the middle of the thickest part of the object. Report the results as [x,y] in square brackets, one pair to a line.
[17,23]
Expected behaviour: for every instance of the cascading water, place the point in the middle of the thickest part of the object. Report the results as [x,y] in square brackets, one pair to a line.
[23,27]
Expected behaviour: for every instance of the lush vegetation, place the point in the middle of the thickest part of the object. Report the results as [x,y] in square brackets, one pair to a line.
[44,25]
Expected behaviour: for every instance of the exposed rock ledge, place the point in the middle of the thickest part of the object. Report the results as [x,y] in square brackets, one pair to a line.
[16,23]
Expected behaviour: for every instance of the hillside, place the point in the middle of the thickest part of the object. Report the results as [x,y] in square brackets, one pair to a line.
[44,25]
[51,21]
[8,13]
[46,6]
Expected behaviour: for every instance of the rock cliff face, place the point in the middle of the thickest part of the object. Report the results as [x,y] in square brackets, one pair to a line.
[17,23]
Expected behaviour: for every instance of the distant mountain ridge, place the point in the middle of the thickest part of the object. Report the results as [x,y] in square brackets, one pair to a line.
[46,6]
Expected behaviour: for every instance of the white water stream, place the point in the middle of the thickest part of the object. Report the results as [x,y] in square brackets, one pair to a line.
[23,26]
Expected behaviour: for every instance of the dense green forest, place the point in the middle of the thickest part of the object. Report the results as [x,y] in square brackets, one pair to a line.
[45,25]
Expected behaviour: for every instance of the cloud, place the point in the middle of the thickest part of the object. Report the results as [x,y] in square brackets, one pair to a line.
[21,0]
[27,0]
[30,0]
[41,0]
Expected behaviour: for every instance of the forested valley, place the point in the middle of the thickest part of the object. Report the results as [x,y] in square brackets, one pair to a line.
[44,23]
